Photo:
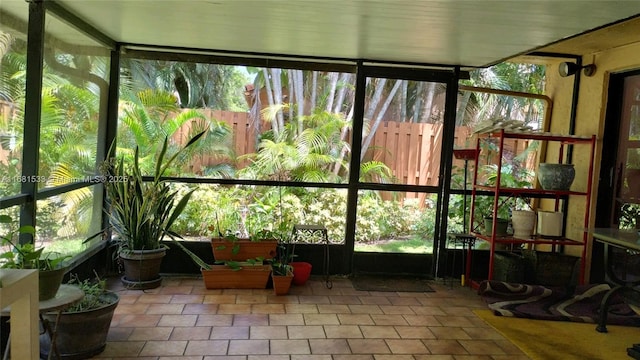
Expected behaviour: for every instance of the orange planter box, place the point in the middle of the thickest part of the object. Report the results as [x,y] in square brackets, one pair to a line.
[223,249]
[249,277]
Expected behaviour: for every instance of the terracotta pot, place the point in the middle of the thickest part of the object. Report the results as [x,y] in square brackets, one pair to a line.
[281,283]
[301,272]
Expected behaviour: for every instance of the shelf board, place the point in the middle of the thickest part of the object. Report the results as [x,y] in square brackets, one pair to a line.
[568,139]
[533,241]
[539,193]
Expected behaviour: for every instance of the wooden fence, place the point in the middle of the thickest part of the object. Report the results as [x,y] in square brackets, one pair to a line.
[411,150]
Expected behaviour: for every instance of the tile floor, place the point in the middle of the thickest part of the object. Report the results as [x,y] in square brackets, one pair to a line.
[183,320]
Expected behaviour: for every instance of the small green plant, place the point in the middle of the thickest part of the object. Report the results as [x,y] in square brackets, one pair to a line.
[93,294]
[280,264]
[24,256]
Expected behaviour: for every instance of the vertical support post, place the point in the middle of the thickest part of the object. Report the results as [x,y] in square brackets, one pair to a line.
[354,164]
[32,113]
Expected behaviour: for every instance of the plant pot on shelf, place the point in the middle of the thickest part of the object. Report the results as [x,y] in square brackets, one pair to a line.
[550,223]
[142,268]
[558,177]
[281,283]
[301,272]
[523,223]
[501,226]
[49,282]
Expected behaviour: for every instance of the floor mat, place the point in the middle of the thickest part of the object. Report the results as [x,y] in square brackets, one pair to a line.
[390,283]
[578,304]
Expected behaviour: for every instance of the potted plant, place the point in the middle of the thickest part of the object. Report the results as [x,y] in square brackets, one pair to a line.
[141,214]
[231,247]
[51,270]
[82,329]
[281,269]
[231,274]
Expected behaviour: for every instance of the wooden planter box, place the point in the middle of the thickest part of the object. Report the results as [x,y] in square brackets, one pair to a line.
[223,249]
[224,277]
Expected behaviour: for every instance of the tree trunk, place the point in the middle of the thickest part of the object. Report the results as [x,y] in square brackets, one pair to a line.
[462,108]
[403,101]
[267,85]
[417,107]
[344,79]
[277,94]
[429,94]
[381,113]
[299,89]
[343,137]
[314,90]
[375,99]
[333,83]
[292,98]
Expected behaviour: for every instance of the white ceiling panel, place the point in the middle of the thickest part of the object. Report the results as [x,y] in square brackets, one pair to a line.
[445,32]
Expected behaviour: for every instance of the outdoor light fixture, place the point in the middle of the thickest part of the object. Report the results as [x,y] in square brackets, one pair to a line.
[568,68]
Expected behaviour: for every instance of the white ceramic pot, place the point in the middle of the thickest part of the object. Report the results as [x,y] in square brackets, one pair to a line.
[550,223]
[523,223]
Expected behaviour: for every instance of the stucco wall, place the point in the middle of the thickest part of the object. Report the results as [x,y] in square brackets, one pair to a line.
[590,114]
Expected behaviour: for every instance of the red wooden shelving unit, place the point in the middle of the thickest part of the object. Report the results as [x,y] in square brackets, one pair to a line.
[507,193]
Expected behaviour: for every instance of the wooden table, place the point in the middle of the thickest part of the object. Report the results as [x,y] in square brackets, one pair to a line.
[66,296]
[19,292]
[629,241]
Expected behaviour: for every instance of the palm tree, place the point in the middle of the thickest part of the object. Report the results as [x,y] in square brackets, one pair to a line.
[527,78]
[150,115]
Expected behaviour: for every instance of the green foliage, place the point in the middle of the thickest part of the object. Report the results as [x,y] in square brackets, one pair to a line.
[142,213]
[629,216]
[94,294]
[285,253]
[24,256]
[383,219]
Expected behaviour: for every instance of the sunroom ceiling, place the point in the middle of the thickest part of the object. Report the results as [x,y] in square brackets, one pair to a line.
[471,33]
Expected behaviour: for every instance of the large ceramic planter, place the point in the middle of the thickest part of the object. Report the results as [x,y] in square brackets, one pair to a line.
[49,282]
[523,223]
[243,249]
[142,268]
[82,334]
[281,283]
[225,277]
[558,177]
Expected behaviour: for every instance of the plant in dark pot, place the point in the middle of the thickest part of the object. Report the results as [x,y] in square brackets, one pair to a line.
[51,269]
[82,329]
[141,214]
